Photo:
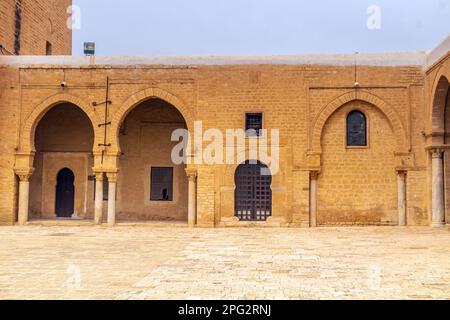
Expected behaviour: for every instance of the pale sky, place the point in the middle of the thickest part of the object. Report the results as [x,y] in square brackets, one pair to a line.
[258,27]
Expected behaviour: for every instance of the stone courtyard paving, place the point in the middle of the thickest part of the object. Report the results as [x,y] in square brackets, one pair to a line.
[86,262]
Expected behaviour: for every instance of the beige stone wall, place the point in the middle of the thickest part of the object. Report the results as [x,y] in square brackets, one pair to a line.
[41,21]
[357,185]
[9,104]
[306,102]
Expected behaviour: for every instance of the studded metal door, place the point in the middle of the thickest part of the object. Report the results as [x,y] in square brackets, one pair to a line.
[253,194]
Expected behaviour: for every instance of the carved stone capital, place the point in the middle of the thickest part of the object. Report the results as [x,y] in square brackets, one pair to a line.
[402,172]
[436,153]
[112,177]
[98,176]
[314,174]
[192,174]
[24,174]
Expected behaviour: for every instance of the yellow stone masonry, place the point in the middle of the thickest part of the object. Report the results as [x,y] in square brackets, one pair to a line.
[34,23]
[308,102]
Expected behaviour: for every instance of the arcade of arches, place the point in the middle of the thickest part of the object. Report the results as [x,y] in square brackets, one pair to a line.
[63,183]
[378,154]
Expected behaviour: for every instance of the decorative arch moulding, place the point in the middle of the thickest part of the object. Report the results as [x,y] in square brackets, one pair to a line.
[328,110]
[438,63]
[146,94]
[32,120]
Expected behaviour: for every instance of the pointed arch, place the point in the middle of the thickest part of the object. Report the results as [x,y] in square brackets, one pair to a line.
[32,120]
[326,112]
[141,96]
[438,104]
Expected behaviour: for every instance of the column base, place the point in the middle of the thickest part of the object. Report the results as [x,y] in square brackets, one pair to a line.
[438,224]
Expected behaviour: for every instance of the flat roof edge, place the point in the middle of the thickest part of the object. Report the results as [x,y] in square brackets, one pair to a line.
[438,53]
[366,59]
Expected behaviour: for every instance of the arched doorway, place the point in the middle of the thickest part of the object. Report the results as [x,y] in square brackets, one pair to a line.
[253,193]
[440,156]
[447,153]
[440,114]
[151,185]
[64,137]
[65,193]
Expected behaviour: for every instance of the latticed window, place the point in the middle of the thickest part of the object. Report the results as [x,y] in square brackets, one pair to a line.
[356,129]
[253,124]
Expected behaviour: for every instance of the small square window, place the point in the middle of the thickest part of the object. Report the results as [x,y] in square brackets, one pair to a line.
[253,124]
[161,188]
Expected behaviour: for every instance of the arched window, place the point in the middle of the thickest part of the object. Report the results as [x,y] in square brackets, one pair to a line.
[356,129]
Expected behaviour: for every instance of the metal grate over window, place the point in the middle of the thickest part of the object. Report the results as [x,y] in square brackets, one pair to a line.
[253,193]
[356,129]
[253,124]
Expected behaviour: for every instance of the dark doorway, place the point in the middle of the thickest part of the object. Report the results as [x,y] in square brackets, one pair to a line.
[253,193]
[65,194]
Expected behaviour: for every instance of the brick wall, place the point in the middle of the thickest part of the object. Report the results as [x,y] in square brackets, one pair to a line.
[35,23]
[9,106]
[292,97]
[358,185]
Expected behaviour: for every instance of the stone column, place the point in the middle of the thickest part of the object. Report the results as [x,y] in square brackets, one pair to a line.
[112,183]
[24,195]
[192,201]
[313,184]
[401,193]
[98,214]
[437,188]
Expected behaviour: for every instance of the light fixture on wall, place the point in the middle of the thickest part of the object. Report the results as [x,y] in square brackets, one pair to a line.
[356,84]
[63,83]
[89,48]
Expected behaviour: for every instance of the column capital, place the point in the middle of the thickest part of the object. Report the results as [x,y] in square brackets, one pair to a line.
[24,174]
[98,176]
[314,174]
[112,176]
[191,173]
[436,153]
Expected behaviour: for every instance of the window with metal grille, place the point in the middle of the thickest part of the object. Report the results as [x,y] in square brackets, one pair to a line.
[356,129]
[253,124]
[161,188]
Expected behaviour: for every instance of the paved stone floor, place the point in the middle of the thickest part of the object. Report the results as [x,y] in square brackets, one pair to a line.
[86,262]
